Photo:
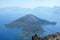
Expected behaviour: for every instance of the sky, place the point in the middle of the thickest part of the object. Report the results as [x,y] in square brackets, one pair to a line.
[29,3]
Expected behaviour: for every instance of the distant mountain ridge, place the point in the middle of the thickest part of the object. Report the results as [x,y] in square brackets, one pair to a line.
[28,10]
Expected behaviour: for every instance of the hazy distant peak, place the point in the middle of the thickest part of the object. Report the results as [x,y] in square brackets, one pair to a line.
[31,17]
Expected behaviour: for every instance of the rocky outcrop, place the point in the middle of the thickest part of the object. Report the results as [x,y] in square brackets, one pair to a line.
[36,37]
[55,36]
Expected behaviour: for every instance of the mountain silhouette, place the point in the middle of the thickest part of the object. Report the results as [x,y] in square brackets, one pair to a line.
[29,19]
[30,24]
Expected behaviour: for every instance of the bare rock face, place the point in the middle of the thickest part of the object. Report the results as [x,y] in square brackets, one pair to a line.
[35,37]
[30,24]
[55,36]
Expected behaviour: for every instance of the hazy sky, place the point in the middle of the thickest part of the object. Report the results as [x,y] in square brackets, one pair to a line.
[29,3]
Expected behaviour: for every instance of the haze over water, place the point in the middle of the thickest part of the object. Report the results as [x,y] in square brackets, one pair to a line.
[11,10]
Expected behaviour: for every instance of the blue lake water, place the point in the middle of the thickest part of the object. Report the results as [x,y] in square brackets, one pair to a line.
[8,34]
[12,33]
